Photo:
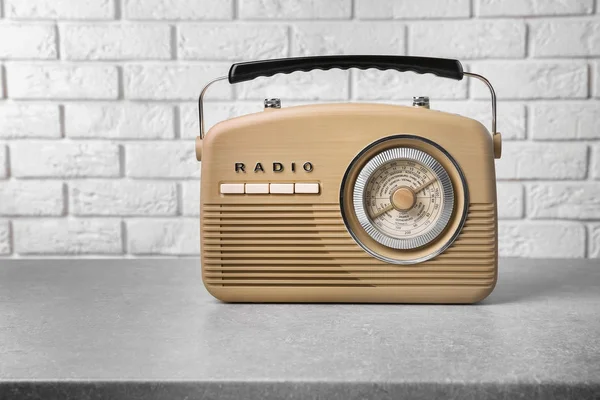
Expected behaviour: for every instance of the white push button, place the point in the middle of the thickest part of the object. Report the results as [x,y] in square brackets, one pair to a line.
[257,188]
[232,188]
[312,188]
[282,188]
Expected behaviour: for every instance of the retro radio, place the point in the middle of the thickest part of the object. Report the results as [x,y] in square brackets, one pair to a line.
[349,202]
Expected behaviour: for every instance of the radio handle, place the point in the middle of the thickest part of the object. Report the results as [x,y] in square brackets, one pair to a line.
[443,67]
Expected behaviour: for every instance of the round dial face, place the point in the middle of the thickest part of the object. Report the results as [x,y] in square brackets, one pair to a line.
[403,198]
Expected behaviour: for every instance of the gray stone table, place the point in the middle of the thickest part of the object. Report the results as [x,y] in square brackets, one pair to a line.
[147,329]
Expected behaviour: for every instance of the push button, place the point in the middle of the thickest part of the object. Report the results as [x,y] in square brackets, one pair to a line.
[282,188]
[311,188]
[273,188]
[257,188]
[232,188]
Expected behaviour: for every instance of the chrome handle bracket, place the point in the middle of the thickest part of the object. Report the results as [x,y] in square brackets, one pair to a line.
[201,104]
[492,92]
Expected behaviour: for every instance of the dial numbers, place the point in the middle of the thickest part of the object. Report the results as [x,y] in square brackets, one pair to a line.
[403,199]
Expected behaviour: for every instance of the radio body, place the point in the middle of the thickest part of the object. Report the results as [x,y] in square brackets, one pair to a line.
[349,202]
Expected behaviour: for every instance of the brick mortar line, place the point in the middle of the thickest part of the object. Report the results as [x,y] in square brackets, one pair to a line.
[118,12]
[62,122]
[124,237]
[290,102]
[3,81]
[108,217]
[590,80]
[94,256]
[57,43]
[8,162]
[196,219]
[174,41]
[120,82]
[158,179]
[124,141]
[249,23]
[528,44]
[104,179]
[181,62]
[66,198]
[246,101]
[122,160]
[407,36]
[290,40]
[11,238]
[182,181]
[587,243]
[550,17]
[528,121]
[177,115]
[180,200]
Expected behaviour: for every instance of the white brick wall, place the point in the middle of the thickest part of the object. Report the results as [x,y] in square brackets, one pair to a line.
[32,198]
[594,245]
[3,162]
[176,81]
[533,79]
[218,41]
[98,113]
[119,121]
[595,164]
[5,248]
[295,9]
[541,239]
[392,9]
[29,121]
[468,40]
[36,41]
[565,121]
[533,8]
[61,81]
[164,236]
[123,198]
[116,41]
[62,159]
[177,9]
[59,9]
[574,37]
[68,236]
[327,38]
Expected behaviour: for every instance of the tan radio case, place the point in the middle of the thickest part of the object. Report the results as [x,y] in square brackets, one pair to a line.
[297,247]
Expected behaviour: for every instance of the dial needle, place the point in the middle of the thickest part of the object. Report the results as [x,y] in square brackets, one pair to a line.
[423,186]
[382,211]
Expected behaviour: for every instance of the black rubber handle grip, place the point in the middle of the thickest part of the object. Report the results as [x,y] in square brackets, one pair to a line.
[443,67]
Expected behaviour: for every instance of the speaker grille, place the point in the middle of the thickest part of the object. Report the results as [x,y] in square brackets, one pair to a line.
[308,245]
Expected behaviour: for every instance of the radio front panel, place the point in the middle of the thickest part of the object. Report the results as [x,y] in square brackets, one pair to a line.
[279,223]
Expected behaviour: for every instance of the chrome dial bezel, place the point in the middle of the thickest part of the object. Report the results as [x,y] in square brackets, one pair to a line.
[403,153]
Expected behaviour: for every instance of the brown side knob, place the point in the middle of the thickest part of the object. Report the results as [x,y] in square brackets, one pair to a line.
[198,148]
[497,145]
